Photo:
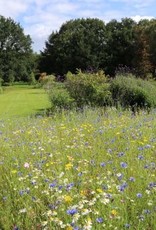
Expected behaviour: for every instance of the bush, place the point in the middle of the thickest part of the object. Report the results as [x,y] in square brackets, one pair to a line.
[58,94]
[88,88]
[31,79]
[132,92]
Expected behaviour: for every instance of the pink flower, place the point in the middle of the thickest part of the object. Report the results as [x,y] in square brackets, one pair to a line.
[26,165]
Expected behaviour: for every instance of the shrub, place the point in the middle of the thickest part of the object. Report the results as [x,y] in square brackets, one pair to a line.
[31,79]
[59,96]
[47,82]
[132,92]
[88,88]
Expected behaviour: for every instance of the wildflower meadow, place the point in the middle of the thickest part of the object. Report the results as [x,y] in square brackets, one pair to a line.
[94,169]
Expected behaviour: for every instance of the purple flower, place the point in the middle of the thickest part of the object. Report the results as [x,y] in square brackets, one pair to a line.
[52,185]
[140,157]
[139,195]
[80,174]
[146,166]
[121,154]
[69,186]
[103,164]
[141,148]
[71,211]
[122,187]
[132,179]
[99,220]
[152,184]
[127,225]
[123,165]
[119,176]
[147,146]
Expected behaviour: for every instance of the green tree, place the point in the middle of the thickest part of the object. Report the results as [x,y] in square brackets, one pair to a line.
[79,43]
[151,35]
[15,51]
[120,44]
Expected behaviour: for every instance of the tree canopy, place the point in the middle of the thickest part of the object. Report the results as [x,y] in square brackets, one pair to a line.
[16,62]
[90,43]
[79,43]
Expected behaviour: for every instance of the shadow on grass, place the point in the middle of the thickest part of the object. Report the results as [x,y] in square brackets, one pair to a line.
[37,93]
[43,112]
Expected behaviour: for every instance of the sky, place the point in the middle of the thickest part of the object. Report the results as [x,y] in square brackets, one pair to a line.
[39,18]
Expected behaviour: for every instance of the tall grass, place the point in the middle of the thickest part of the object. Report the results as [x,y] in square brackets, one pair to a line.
[90,170]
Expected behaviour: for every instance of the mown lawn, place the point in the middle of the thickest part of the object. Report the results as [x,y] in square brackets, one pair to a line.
[22,100]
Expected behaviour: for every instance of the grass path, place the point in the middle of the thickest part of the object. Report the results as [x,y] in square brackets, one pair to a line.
[22,101]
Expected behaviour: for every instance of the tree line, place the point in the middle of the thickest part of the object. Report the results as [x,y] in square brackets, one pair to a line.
[90,44]
[87,44]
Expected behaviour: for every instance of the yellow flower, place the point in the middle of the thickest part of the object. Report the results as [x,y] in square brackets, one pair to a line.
[117,133]
[99,190]
[68,199]
[69,228]
[68,166]
[114,212]
[84,192]
[14,171]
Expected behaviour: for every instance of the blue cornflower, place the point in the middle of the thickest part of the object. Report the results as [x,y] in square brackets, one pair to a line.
[99,220]
[76,228]
[121,154]
[140,157]
[127,225]
[119,176]
[60,187]
[109,150]
[146,166]
[122,187]
[141,148]
[123,165]
[21,192]
[52,185]
[80,174]
[69,186]
[152,184]
[147,146]
[132,179]
[103,164]
[139,195]
[71,211]
[147,211]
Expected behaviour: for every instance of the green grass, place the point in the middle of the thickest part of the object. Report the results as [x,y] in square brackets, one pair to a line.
[22,100]
[90,170]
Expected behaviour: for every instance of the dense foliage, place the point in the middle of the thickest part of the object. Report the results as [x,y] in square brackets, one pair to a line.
[16,58]
[97,90]
[78,44]
[132,92]
[92,44]
[88,89]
